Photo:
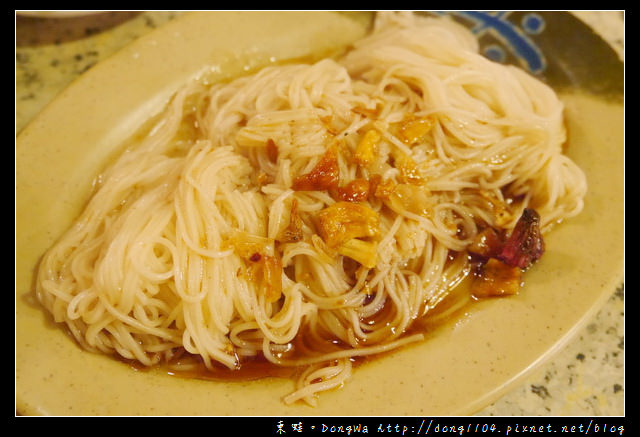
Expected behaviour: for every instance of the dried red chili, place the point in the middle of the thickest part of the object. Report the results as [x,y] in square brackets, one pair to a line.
[525,245]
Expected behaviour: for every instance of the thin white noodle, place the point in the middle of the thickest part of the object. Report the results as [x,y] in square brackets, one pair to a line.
[150,268]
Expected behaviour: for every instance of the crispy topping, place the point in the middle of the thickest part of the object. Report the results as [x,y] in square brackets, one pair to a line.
[487,244]
[265,268]
[266,273]
[411,198]
[293,231]
[409,171]
[500,208]
[355,191]
[324,175]
[343,221]
[364,252]
[503,262]
[380,188]
[367,148]
[246,245]
[413,129]
[325,253]
[495,279]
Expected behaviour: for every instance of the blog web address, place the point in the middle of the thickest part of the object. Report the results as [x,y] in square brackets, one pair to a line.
[506,426]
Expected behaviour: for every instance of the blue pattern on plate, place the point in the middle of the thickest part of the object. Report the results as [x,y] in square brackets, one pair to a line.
[510,36]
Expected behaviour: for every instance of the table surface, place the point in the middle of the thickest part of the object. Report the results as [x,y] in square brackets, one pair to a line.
[585,378]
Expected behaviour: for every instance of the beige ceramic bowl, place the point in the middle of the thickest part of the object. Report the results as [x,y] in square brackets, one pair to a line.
[461,367]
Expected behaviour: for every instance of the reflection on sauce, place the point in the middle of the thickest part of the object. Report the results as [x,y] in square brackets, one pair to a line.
[251,369]
[450,310]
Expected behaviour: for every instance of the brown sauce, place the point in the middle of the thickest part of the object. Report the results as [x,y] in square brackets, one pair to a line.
[251,369]
[257,367]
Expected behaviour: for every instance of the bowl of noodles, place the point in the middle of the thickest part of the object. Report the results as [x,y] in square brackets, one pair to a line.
[402,218]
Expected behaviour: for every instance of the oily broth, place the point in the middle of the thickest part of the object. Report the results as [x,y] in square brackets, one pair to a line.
[449,310]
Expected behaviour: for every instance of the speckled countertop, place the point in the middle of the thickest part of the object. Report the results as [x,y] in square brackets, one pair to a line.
[586,378]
